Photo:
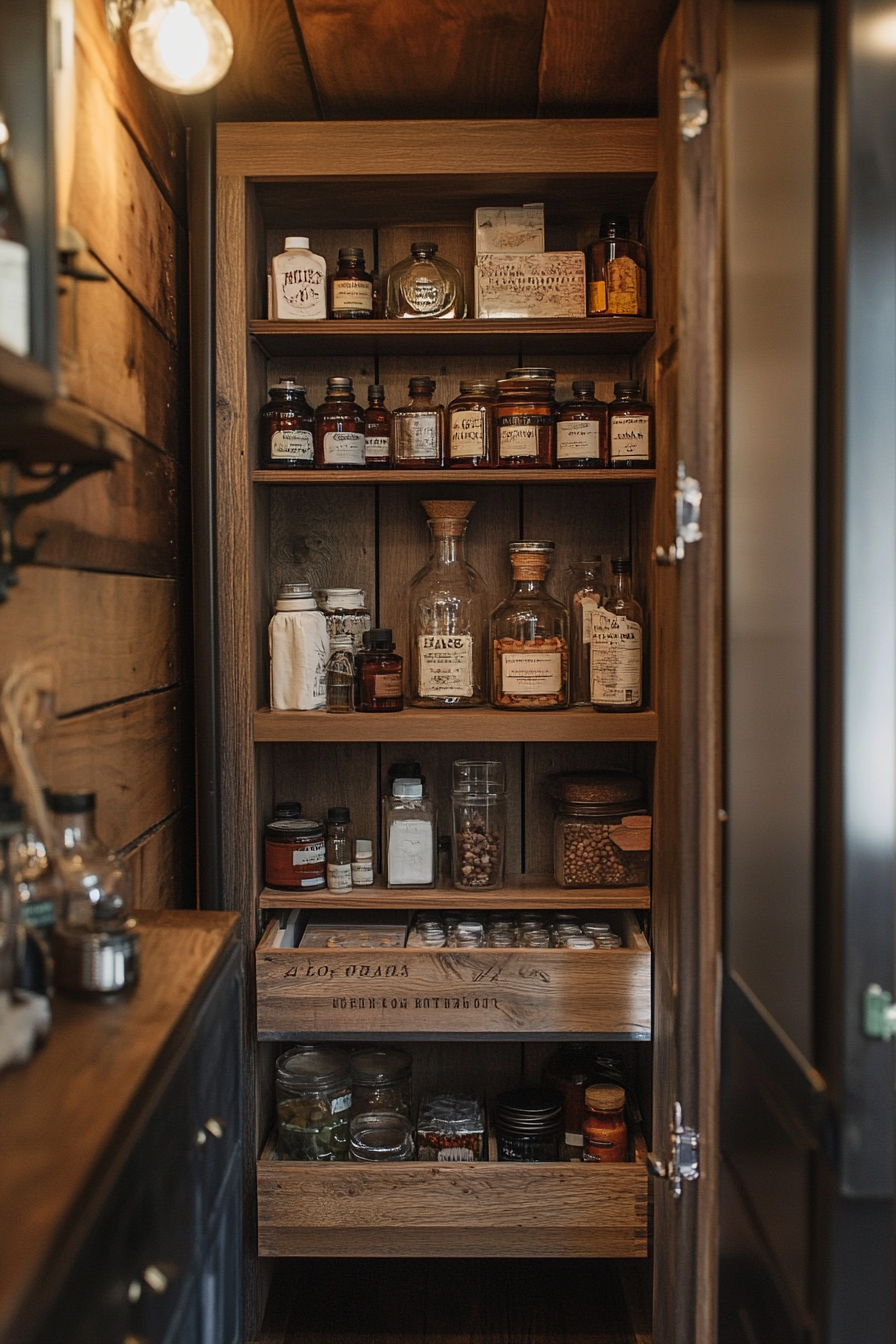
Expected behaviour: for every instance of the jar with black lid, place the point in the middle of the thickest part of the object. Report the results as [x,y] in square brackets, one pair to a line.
[351,286]
[525,418]
[582,429]
[287,428]
[294,853]
[528,1125]
[314,1098]
[471,426]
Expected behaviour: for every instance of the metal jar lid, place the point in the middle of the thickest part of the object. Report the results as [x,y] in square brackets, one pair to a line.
[308,1067]
[529,1110]
[378,1068]
[295,830]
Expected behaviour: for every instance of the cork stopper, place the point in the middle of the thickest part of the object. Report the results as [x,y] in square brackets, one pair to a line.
[530,559]
[448,517]
[604,1097]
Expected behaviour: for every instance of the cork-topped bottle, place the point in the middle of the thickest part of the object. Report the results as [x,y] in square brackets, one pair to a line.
[447,615]
[530,636]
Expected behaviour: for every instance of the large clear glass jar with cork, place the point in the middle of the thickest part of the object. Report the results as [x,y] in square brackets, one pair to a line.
[530,636]
[286,425]
[447,615]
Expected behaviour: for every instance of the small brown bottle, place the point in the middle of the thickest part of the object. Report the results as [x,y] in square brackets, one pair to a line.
[581,429]
[287,428]
[418,429]
[377,428]
[351,286]
[379,674]
[630,427]
[471,426]
[339,428]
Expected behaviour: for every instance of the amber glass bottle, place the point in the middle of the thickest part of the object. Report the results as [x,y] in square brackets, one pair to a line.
[581,431]
[617,271]
[339,428]
[525,418]
[377,428]
[287,428]
[471,426]
[418,429]
[379,674]
[351,286]
[630,427]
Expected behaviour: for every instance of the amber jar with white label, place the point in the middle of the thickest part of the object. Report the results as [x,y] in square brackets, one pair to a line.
[287,428]
[471,426]
[339,428]
[351,286]
[630,427]
[294,855]
[581,429]
[524,419]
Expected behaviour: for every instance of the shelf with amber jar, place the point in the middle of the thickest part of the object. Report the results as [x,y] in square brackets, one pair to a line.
[455,725]
[465,336]
[529,891]
[455,476]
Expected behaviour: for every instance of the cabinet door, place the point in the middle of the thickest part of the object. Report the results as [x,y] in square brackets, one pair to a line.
[686,600]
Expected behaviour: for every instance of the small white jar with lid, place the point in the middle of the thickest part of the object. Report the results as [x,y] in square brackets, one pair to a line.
[300,648]
[298,283]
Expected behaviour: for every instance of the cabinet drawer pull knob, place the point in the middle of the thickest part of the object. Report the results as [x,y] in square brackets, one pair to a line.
[201,1138]
[135,1291]
[155,1279]
[215,1128]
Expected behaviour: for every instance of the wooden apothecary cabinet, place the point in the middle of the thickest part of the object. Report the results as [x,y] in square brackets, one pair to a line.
[367,530]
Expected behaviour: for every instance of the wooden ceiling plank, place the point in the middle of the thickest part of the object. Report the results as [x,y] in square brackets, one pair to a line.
[599,58]
[423,58]
[268,79]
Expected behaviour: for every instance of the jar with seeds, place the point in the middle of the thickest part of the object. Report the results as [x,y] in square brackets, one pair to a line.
[479,810]
[602,832]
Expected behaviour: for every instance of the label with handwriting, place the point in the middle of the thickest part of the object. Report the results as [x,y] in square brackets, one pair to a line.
[630,438]
[297,444]
[446,665]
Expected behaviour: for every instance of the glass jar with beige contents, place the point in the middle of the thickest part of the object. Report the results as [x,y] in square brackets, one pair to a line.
[602,833]
[530,636]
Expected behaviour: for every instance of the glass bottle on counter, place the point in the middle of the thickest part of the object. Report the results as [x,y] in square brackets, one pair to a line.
[525,418]
[425,285]
[418,429]
[630,427]
[447,615]
[379,671]
[377,428]
[299,649]
[581,429]
[530,636]
[471,426]
[339,849]
[587,595]
[617,271]
[617,646]
[287,427]
[339,428]
[409,826]
[299,283]
[341,676]
[351,286]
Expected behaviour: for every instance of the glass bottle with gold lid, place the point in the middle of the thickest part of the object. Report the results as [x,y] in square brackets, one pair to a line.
[447,615]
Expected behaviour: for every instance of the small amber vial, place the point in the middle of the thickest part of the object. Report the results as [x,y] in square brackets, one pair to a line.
[351,286]
[604,1133]
[379,671]
[377,428]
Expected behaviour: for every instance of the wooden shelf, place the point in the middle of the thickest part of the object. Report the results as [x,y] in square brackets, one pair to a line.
[531,891]
[455,725]
[454,476]
[467,336]
[61,431]
[23,380]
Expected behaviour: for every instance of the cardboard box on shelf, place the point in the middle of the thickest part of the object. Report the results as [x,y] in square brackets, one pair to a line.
[527,285]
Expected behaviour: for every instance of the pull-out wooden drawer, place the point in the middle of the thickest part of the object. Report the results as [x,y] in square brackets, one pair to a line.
[453,1208]
[489,992]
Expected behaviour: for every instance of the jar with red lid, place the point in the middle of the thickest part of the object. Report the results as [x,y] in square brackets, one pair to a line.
[525,418]
[295,854]
[604,1133]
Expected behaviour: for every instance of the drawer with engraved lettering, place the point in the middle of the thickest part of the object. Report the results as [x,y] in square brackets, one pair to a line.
[491,993]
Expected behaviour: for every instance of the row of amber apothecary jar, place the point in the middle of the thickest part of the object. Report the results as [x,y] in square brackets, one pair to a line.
[514,422]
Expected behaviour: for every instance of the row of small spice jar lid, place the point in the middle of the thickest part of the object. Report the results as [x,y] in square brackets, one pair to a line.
[514,422]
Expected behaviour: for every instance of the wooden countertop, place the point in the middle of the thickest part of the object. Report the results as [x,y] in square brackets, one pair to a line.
[62,1113]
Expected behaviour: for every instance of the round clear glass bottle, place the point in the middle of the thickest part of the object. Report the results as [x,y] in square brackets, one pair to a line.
[530,636]
[587,595]
[425,285]
[341,676]
[447,616]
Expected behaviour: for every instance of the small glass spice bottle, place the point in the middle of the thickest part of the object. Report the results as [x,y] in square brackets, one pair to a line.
[379,674]
[351,286]
[286,427]
[362,864]
[582,429]
[339,849]
[471,426]
[617,271]
[418,429]
[339,428]
[377,428]
[630,427]
[604,1133]
[341,676]
[525,418]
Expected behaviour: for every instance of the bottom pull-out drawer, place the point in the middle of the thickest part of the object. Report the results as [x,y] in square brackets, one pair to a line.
[453,1208]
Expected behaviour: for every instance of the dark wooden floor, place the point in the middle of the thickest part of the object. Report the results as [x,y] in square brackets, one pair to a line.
[457,1302]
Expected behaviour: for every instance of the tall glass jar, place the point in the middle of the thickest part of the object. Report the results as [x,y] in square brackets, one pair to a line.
[287,428]
[587,595]
[314,1098]
[479,813]
[447,615]
[617,271]
[381,1081]
[339,428]
[470,439]
[418,429]
[425,285]
[530,636]
[525,418]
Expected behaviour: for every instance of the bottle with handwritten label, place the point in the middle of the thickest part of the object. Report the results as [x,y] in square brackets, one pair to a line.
[617,646]
[447,615]
[339,428]
[339,849]
[377,428]
[418,429]
[471,426]
[351,286]
[631,427]
[582,429]
[287,428]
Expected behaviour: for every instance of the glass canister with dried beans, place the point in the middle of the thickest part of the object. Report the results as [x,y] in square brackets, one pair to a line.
[602,832]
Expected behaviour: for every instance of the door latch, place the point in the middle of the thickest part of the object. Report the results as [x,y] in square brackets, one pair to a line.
[878,1014]
[684,1155]
[688,499]
[693,102]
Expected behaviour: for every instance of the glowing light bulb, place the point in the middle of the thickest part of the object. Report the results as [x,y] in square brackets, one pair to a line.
[181,45]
